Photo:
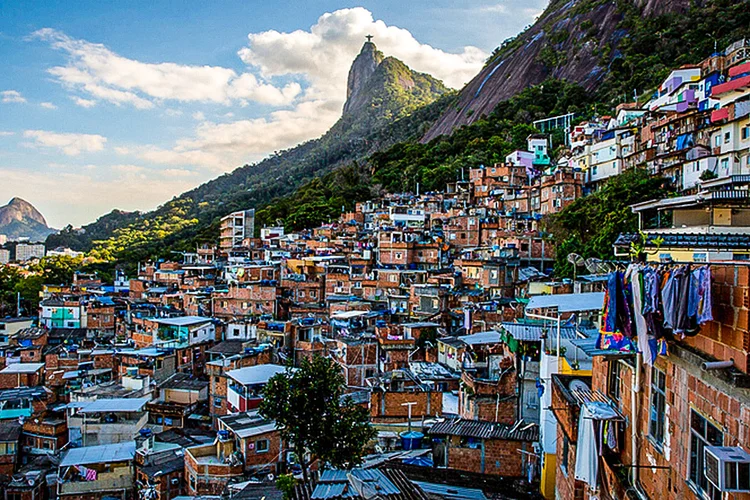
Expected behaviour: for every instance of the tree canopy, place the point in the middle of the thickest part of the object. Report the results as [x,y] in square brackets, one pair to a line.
[309,407]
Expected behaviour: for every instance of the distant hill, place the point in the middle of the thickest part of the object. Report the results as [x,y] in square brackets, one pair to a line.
[382,95]
[19,219]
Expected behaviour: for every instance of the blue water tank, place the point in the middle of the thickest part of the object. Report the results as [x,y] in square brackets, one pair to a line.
[411,440]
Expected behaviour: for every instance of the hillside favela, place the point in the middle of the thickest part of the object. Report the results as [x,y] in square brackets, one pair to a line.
[405,250]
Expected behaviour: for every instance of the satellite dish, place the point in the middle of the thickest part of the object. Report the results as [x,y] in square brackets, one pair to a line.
[575,259]
[592,264]
[578,385]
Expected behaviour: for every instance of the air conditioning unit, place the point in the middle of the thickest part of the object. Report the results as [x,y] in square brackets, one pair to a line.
[728,468]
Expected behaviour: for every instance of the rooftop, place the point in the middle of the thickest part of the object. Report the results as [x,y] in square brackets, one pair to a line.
[105,453]
[115,405]
[486,430]
[258,374]
[23,368]
[567,302]
[248,424]
[182,320]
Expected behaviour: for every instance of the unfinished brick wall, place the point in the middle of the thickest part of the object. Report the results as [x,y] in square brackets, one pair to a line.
[500,457]
[728,336]
[389,405]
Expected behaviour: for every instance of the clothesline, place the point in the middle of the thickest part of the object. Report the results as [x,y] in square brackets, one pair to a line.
[647,303]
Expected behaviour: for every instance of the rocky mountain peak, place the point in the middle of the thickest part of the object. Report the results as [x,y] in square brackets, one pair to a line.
[362,69]
[19,218]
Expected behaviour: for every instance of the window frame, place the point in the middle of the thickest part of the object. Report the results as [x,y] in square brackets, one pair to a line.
[700,438]
[258,447]
[657,415]
[614,390]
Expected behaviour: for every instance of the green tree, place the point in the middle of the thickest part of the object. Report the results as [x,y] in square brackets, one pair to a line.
[590,225]
[307,405]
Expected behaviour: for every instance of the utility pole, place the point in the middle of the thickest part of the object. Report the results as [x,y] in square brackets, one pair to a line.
[409,405]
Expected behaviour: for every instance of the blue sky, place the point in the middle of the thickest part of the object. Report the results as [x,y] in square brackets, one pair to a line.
[126,104]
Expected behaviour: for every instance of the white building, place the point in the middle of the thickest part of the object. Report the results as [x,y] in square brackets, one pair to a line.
[235,227]
[4,256]
[26,251]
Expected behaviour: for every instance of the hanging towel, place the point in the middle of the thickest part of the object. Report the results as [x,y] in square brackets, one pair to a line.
[587,454]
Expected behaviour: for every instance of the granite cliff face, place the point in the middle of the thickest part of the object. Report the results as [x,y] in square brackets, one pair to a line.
[20,219]
[363,67]
[573,40]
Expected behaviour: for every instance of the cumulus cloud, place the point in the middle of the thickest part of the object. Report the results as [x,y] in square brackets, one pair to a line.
[224,146]
[320,58]
[47,105]
[69,144]
[6,133]
[12,96]
[107,76]
[324,53]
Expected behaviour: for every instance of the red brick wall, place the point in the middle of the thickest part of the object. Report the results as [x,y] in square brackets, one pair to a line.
[389,404]
[501,457]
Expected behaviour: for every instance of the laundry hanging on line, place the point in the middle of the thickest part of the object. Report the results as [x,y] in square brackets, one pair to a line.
[646,305]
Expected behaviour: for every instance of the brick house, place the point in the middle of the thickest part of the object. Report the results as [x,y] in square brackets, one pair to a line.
[483,447]
[10,435]
[257,440]
[211,467]
[254,299]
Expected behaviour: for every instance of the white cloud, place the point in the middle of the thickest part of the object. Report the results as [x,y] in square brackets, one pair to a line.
[47,105]
[12,96]
[59,196]
[6,133]
[105,75]
[324,53]
[84,103]
[224,146]
[320,59]
[69,144]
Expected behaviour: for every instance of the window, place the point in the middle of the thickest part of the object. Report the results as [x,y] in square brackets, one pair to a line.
[717,140]
[217,402]
[658,403]
[261,446]
[727,136]
[613,380]
[745,133]
[594,170]
[565,453]
[702,434]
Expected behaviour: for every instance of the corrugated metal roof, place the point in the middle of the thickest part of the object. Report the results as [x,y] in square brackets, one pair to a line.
[531,333]
[115,405]
[568,302]
[23,368]
[329,490]
[485,430]
[449,492]
[22,393]
[105,453]
[489,337]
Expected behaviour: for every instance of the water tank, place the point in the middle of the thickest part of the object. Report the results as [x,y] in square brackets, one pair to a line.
[411,440]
